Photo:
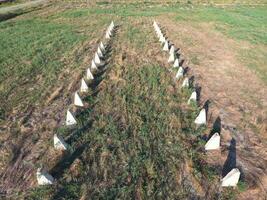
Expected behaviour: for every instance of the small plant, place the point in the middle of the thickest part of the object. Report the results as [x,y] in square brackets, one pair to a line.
[242,186]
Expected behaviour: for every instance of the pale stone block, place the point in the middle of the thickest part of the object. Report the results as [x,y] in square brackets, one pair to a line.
[108,34]
[166,46]
[185,83]
[93,65]
[78,100]
[214,142]
[232,178]
[97,59]
[176,63]
[44,178]
[172,49]
[89,75]
[70,120]
[193,97]
[201,118]
[84,87]
[180,73]
[102,47]
[112,24]
[99,52]
[157,29]
[171,58]
[59,143]
[160,36]
[162,39]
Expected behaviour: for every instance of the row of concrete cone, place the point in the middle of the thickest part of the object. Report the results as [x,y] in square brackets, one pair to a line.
[232,178]
[43,177]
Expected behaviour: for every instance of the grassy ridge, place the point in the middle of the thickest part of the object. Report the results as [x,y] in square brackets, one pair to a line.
[135,146]
[140,138]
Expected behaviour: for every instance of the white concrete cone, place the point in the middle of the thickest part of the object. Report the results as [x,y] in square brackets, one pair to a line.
[110,32]
[97,59]
[43,178]
[111,28]
[193,97]
[180,73]
[70,120]
[171,58]
[157,29]
[112,24]
[213,143]
[232,178]
[59,143]
[172,49]
[162,39]
[93,65]
[84,87]
[159,34]
[185,83]
[107,35]
[99,52]
[201,118]
[78,100]
[166,46]
[102,47]
[176,63]
[89,75]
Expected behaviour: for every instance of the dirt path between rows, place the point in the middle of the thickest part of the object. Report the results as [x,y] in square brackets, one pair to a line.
[237,95]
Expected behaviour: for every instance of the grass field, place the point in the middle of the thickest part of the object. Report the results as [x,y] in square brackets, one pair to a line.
[136,139]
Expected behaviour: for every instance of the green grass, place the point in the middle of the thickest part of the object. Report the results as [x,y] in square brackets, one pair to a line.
[134,148]
[137,145]
[256,59]
[141,135]
[30,50]
[240,22]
